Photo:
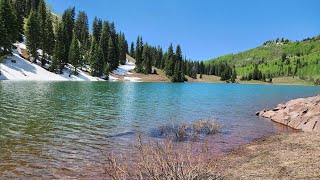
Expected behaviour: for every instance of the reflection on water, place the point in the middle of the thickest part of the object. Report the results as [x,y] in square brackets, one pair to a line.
[62,129]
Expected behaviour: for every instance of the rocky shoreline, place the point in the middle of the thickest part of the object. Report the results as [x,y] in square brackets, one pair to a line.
[301,114]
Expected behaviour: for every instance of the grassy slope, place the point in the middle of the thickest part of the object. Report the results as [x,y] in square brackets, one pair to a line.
[269,58]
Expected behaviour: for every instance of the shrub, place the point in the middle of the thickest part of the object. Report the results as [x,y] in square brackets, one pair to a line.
[165,160]
[191,131]
[206,126]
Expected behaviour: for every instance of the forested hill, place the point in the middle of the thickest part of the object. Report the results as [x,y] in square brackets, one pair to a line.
[58,42]
[275,58]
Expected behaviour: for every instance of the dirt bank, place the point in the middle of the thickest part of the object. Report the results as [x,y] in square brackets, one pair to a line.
[286,156]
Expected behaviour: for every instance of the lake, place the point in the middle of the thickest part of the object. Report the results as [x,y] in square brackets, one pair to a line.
[64,129]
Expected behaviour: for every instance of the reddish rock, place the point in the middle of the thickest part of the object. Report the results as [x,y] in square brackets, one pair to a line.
[302,114]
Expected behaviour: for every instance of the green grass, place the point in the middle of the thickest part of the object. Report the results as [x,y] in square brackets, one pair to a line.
[279,59]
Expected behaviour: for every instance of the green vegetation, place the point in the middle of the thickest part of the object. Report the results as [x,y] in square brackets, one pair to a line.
[8,26]
[171,62]
[66,40]
[277,58]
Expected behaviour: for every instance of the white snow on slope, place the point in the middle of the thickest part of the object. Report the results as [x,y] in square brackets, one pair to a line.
[25,70]
[124,70]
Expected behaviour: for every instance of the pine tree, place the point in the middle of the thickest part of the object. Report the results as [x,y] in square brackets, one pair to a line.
[97,63]
[123,48]
[176,75]
[97,28]
[132,52]
[114,61]
[81,28]
[59,50]
[114,38]
[147,61]
[68,25]
[104,41]
[32,35]
[49,39]
[4,40]
[233,76]
[31,5]
[170,62]
[92,51]
[9,18]
[19,6]
[42,17]
[138,55]
[74,54]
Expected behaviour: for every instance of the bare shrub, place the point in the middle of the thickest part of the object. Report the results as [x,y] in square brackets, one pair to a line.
[166,160]
[206,126]
[191,131]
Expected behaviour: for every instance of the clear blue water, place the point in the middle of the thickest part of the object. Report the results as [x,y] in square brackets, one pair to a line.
[61,129]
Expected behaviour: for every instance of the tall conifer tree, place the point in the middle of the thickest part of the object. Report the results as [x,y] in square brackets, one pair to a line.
[74,54]
[32,35]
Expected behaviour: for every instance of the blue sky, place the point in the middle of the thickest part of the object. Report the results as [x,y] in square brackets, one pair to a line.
[205,28]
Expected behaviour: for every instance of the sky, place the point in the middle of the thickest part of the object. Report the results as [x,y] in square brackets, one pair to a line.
[204,28]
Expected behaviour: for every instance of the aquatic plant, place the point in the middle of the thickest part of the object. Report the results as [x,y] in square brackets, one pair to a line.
[189,131]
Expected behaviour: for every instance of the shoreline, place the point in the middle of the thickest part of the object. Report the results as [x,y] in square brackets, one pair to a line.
[279,156]
[187,82]
[292,155]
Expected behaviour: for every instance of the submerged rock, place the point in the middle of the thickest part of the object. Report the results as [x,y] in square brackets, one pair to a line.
[302,114]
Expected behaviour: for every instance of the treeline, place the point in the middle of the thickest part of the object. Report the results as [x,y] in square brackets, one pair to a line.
[67,40]
[225,71]
[172,62]
[72,43]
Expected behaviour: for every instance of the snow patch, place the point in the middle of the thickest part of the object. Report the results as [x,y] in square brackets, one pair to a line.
[126,69]
[17,68]
[132,79]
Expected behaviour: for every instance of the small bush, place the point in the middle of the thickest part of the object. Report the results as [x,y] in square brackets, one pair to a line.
[206,126]
[191,131]
[165,160]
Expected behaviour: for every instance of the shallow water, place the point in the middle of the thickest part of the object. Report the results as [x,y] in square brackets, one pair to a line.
[64,129]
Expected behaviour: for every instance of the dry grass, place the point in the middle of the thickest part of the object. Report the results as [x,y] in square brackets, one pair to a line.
[286,156]
[206,126]
[189,131]
[206,78]
[164,160]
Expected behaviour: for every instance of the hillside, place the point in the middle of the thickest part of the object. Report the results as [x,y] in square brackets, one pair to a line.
[278,58]
[15,67]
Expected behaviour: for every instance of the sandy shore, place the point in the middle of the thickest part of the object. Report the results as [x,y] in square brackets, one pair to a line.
[285,156]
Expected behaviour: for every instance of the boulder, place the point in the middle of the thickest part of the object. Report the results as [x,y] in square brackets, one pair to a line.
[302,114]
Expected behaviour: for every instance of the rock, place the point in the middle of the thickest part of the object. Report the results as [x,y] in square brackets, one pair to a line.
[268,114]
[302,114]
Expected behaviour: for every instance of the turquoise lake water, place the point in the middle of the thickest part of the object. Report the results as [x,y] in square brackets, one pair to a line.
[61,129]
